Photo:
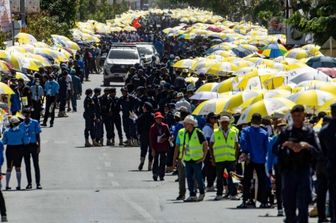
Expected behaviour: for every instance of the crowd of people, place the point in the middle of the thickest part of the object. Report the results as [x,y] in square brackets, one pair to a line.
[273,156]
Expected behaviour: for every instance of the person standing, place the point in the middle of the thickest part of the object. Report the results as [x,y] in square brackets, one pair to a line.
[3,211]
[224,150]
[209,170]
[32,147]
[144,123]
[158,136]
[194,150]
[89,117]
[295,147]
[51,88]
[326,179]
[13,137]
[116,119]
[37,95]
[63,93]
[253,144]
[77,89]
[98,124]
[105,103]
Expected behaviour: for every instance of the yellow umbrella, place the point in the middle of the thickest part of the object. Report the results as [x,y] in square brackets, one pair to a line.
[65,42]
[25,38]
[227,85]
[184,64]
[319,85]
[297,53]
[326,106]
[266,107]
[19,75]
[3,67]
[207,87]
[222,68]
[5,89]
[312,98]
[213,105]
[238,99]
[274,82]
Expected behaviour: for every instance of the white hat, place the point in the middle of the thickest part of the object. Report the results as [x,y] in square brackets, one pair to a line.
[191,120]
[180,95]
[224,118]
[14,120]
[177,114]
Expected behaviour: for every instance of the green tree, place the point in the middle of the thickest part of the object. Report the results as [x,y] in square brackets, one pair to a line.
[319,20]
[64,10]
[42,26]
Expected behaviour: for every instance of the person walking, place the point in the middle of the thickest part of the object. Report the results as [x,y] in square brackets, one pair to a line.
[194,150]
[32,147]
[89,117]
[51,88]
[3,211]
[209,170]
[253,144]
[295,147]
[13,137]
[224,150]
[158,136]
[37,95]
[326,178]
[144,123]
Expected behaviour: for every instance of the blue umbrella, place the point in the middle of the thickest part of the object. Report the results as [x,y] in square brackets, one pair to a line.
[321,61]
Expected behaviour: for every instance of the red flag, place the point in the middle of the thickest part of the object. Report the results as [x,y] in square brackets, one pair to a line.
[136,24]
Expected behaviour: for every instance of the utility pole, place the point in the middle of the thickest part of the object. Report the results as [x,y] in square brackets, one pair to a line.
[23,15]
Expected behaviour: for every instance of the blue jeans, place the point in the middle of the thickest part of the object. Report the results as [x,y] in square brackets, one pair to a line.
[194,172]
[296,186]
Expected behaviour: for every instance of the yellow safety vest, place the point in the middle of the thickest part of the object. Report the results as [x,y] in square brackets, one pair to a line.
[180,135]
[224,149]
[193,147]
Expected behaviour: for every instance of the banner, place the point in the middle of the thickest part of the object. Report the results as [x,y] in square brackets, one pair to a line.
[32,6]
[5,16]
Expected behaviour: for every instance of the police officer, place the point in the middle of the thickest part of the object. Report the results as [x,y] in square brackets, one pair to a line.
[327,181]
[89,116]
[296,146]
[194,150]
[105,102]
[116,119]
[98,124]
[224,150]
[32,147]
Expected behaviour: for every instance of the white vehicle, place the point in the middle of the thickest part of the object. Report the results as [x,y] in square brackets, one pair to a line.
[148,52]
[118,61]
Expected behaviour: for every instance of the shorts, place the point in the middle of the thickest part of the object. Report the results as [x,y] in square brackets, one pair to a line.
[14,155]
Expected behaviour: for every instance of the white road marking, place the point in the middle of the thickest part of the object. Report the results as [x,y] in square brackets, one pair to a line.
[148,217]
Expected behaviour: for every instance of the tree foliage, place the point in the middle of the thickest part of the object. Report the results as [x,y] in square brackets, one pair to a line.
[64,10]
[319,20]
[42,26]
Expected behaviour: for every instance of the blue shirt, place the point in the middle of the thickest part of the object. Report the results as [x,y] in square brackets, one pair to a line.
[254,141]
[37,92]
[272,159]
[31,130]
[13,136]
[1,153]
[51,88]
[15,103]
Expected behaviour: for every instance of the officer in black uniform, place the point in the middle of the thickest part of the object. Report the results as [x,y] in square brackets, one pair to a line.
[327,138]
[89,116]
[105,103]
[99,130]
[296,147]
[115,113]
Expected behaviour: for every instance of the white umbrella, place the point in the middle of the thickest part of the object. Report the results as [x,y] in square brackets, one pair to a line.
[200,96]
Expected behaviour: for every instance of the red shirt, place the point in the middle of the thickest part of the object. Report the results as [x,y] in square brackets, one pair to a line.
[157,132]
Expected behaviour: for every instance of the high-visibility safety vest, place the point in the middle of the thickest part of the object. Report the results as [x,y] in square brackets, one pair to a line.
[193,147]
[224,148]
[180,135]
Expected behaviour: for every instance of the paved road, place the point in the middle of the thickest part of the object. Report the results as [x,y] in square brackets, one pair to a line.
[102,185]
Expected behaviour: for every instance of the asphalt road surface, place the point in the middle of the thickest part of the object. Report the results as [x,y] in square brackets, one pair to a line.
[103,185]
